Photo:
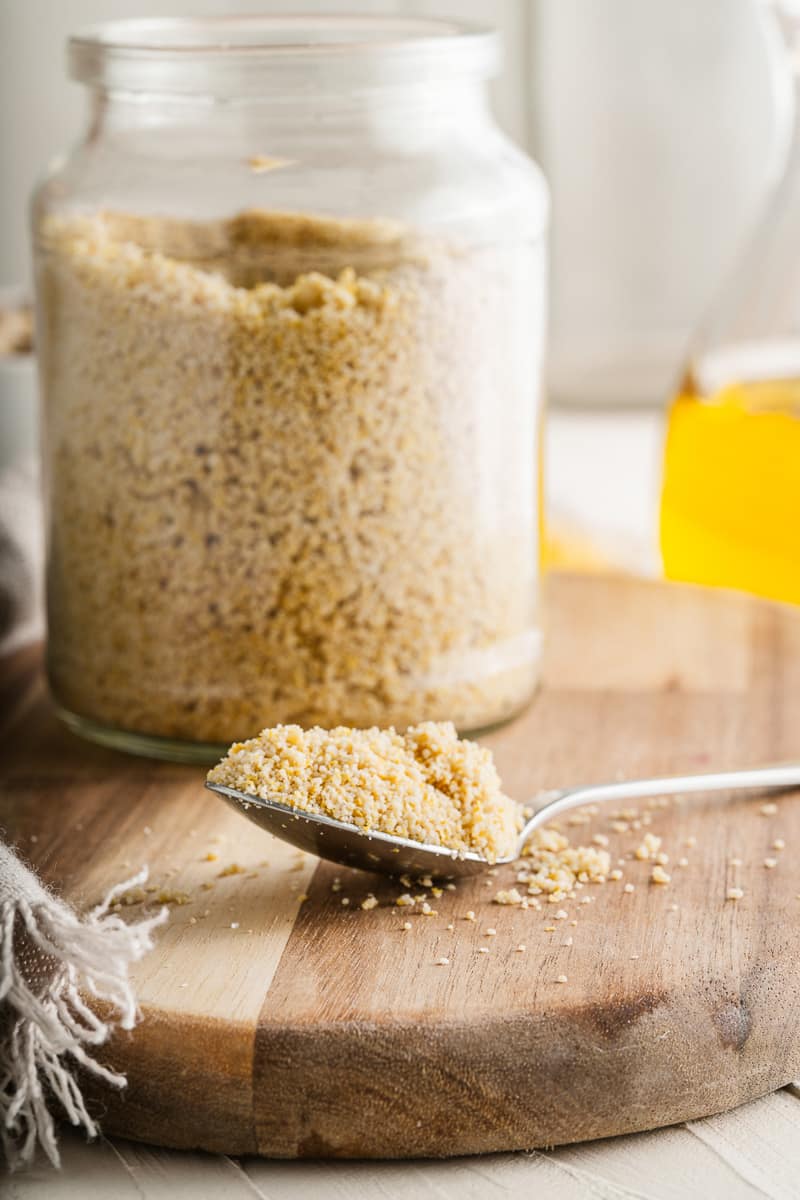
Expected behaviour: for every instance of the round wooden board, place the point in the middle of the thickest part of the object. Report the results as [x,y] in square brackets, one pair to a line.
[289,1028]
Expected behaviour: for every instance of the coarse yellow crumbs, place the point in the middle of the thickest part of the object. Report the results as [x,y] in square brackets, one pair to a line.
[426,784]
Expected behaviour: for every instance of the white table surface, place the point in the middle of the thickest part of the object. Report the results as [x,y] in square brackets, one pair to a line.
[603,474]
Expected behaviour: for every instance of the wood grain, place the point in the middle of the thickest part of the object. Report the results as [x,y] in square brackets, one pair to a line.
[298,1029]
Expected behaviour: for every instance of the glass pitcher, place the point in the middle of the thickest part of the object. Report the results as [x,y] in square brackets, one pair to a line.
[730,508]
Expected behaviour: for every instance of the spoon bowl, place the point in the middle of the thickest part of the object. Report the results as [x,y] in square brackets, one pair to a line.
[386,854]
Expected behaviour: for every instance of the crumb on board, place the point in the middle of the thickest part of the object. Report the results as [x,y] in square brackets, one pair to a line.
[648,847]
[233,868]
[734,893]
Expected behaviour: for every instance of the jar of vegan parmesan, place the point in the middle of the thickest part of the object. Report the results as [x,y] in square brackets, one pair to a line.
[291,305]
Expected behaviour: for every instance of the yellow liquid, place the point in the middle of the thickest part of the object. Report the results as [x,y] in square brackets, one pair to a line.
[730,506]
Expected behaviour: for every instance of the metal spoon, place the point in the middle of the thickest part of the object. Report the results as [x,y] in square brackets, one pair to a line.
[373,851]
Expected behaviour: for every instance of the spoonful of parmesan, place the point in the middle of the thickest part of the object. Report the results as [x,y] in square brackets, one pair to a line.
[423,802]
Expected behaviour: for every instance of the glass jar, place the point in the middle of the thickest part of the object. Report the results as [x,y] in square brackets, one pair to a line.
[291,304]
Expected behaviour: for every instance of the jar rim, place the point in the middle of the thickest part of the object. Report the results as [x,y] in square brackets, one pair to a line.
[241,55]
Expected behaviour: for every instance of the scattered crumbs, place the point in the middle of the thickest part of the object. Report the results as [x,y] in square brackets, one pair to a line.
[769,809]
[167,896]
[629,887]
[406,925]
[345,901]
[521,948]
[259,163]
[735,862]
[567,941]
[615,874]
[232,869]
[404,901]
[450,927]
[648,848]
[207,912]
[210,857]
[672,907]
[234,924]
[659,875]
[183,985]
[301,899]
[147,831]
[585,900]
[770,863]
[34,838]
[483,950]
[634,956]
[336,886]
[600,839]
[426,881]
[561,915]
[449,887]
[437,892]
[207,886]
[469,916]
[512,896]
[369,902]
[734,893]
[561,979]
[779,844]
[683,862]
[192,920]
[549,928]
[442,962]
[691,841]
[406,881]
[492,871]
[427,911]
[491,932]
[620,826]
[573,924]
[662,858]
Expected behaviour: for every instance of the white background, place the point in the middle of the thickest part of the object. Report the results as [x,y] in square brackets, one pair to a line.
[658,123]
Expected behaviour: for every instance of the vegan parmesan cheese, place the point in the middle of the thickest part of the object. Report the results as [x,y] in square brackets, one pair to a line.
[281,486]
[425,784]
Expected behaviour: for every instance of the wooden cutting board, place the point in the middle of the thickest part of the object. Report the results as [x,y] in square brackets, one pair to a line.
[290,1027]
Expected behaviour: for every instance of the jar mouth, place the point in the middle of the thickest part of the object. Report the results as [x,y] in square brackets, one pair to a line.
[260,55]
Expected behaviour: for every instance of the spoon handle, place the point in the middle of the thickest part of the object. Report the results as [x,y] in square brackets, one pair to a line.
[783,775]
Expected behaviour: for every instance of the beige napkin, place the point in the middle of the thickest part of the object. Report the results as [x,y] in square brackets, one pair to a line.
[52,961]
